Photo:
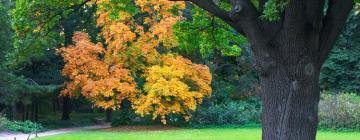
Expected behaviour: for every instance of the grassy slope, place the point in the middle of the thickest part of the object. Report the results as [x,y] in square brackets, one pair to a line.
[191,134]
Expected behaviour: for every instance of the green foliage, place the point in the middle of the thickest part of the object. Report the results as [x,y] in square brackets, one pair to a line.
[123,118]
[209,40]
[24,127]
[234,77]
[222,91]
[13,88]
[117,6]
[341,71]
[273,9]
[5,31]
[338,111]
[3,121]
[45,70]
[230,112]
[203,34]
[38,26]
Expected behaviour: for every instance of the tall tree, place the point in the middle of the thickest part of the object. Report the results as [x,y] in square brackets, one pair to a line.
[42,26]
[290,42]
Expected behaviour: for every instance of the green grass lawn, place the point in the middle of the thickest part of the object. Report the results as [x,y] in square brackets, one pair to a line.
[190,134]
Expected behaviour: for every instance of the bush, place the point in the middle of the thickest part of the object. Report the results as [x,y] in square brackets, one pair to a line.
[231,112]
[339,111]
[24,127]
[3,121]
[121,118]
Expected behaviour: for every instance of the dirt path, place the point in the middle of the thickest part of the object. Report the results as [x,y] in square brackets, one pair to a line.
[20,136]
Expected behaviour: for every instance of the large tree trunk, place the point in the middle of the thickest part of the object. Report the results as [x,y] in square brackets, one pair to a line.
[288,55]
[290,104]
[289,69]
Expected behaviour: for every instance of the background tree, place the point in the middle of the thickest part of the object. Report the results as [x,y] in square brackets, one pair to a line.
[341,71]
[41,27]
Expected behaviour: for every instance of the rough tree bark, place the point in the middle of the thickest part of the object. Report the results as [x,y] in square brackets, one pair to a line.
[288,56]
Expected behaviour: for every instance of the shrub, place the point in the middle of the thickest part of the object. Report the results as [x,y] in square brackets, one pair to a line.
[3,121]
[122,118]
[231,112]
[25,127]
[338,111]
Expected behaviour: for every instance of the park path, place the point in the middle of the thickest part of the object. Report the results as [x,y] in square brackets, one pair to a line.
[21,136]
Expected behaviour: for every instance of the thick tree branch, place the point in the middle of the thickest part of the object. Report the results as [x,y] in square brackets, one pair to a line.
[212,8]
[244,17]
[314,13]
[294,22]
[334,21]
[246,14]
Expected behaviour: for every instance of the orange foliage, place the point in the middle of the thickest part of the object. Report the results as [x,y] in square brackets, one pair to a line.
[105,84]
[174,85]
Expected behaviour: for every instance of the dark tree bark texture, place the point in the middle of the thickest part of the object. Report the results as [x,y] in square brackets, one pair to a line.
[288,56]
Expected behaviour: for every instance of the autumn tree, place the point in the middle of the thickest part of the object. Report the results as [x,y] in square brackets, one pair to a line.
[106,73]
[290,40]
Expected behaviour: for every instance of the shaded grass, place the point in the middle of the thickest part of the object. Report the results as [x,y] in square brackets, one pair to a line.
[53,121]
[190,134]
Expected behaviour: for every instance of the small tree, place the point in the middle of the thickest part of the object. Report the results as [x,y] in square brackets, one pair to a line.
[136,63]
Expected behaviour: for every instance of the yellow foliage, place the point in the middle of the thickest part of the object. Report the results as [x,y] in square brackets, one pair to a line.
[173,84]
[173,88]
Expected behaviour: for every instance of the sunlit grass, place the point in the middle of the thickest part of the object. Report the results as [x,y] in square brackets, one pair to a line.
[190,134]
